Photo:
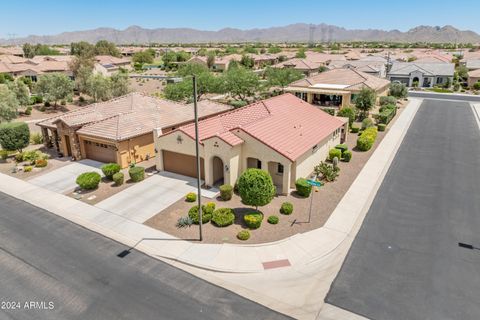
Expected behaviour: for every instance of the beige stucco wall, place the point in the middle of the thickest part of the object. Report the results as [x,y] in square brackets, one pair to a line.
[472,81]
[135,150]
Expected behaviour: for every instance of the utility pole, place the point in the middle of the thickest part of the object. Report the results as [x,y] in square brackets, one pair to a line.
[199,189]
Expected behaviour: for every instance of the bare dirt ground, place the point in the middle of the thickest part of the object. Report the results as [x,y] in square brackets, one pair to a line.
[323,202]
[147,86]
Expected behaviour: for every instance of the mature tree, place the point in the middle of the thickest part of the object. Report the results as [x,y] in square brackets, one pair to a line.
[462,72]
[104,47]
[28,50]
[81,78]
[398,90]
[202,52]
[54,86]
[256,187]
[169,58]
[5,77]
[365,100]
[79,62]
[241,83]
[210,59]
[20,89]
[282,77]
[230,50]
[99,87]
[348,112]
[274,49]
[143,57]
[189,69]
[82,49]
[44,50]
[14,136]
[301,53]
[119,84]
[247,61]
[206,83]
[8,104]
[183,56]
[250,49]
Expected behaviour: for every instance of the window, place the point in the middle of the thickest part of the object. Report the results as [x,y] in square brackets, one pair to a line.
[280,168]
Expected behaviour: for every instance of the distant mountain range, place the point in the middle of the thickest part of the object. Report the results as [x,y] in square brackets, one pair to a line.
[291,33]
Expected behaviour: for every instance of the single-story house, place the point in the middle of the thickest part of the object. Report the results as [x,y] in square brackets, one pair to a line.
[473,77]
[262,60]
[219,64]
[472,64]
[375,68]
[307,67]
[120,130]
[36,66]
[423,74]
[283,135]
[337,87]
[108,65]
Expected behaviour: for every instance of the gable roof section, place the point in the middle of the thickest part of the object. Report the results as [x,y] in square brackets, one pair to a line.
[301,64]
[284,123]
[435,69]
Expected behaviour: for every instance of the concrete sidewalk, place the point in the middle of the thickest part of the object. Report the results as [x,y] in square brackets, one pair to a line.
[292,276]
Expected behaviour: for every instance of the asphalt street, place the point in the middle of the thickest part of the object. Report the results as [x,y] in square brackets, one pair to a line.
[406,262]
[51,268]
[445,96]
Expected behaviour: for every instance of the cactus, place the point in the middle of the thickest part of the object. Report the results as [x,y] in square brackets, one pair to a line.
[335,162]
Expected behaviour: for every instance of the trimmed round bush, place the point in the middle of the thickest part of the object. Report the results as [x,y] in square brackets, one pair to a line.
[110,169]
[226,192]
[342,147]
[41,163]
[3,155]
[243,235]
[273,219]
[118,178]
[334,153]
[286,208]
[384,100]
[88,180]
[223,217]
[208,208]
[14,135]
[367,139]
[367,123]
[354,129]
[27,168]
[347,156]
[381,127]
[256,187]
[253,220]
[303,188]
[207,211]
[136,173]
[191,197]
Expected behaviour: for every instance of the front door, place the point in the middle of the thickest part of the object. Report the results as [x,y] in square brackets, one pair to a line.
[68,146]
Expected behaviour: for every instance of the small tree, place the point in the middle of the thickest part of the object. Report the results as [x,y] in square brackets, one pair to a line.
[476,85]
[99,87]
[348,112]
[365,100]
[14,136]
[119,84]
[8,104]
[241,83]
[210,59]
[282,77]
[20,89]
[256,187]
[398,90]
[54,86]
[301,53]
[143,57]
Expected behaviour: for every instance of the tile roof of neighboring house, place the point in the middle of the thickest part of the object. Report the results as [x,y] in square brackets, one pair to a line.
[321,57]
[227,59]
[474,73]
[11,50]
[348,79]
[360,65]
[437,69]
[8,58]
[299,64]
[473,64]
[110,60]
[131,115]
[372,58]
[285,123]
[59,58]
[431,59]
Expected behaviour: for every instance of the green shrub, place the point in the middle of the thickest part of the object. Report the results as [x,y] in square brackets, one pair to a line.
[223,217]
[191,197]
[273,219]
[208,208]
[253,220]
[348,112]
[342,147]
[387,113]
[286,208]
[36,138]
[41,163]
[367,123]
[256,187]
[476,85]
[118,178]
[14,135]
[28,111]
[354,129]
[398,90]
[110,169]
[226,192]
[384,100]
[367,139]
[243,235]
[193,214]
[184,222]
[238,103]
[3,155]
[27,168]
[347,156]
[88,180]
[303,187]
[334,153]
[381,127]
[136,173]
[19,157]
[330,111]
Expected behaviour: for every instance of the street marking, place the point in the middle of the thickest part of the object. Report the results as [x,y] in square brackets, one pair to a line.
[276,264]
[476,113]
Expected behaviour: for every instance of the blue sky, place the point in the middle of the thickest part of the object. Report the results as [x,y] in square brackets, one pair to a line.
[52,17]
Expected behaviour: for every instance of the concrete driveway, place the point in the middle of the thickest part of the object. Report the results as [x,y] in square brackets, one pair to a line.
[147,198]
[63,179]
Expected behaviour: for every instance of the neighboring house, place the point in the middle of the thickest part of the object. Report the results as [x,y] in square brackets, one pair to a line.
[307,67]
[119,130]
[472,64]
[375,68]
[15,51]
[8,58]
[473,77]
[263,60]
[220,63]
[108,65]
[337,87]
[35,66]
[323,58]
[283,135]
[424,74]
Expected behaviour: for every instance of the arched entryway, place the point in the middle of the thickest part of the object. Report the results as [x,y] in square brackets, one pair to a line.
[415,82]
[217,170]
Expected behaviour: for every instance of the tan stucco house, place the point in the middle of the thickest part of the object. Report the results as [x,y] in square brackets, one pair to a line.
[283,135]
[120,130]
[473,77]
[307,67]
[337,87]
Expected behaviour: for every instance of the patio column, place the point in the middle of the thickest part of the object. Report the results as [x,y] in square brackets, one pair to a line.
[207,164]
[309,97]
[46,139]
[286,178]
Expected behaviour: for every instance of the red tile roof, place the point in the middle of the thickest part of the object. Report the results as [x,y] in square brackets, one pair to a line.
[285,123]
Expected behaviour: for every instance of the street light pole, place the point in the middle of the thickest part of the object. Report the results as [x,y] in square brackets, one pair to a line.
[199,196]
